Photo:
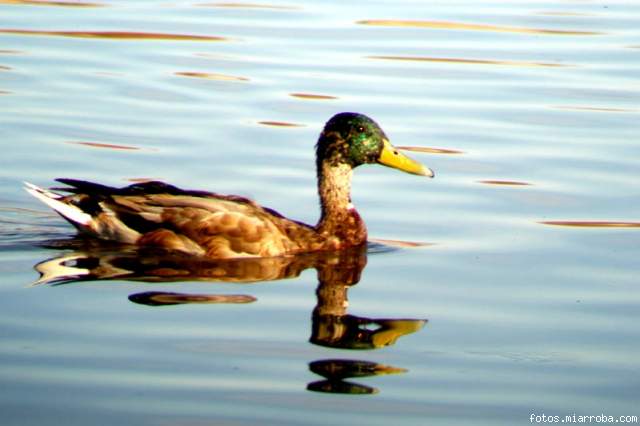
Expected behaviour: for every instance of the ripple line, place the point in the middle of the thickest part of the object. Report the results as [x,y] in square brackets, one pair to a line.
[210,76]
[52,3]
[429,150]
[505,182]
[468,61]
[448,25]
[591,224]
[142,179]
[105,145]
[594,109]
[280,124]
[116,35]
[312,96]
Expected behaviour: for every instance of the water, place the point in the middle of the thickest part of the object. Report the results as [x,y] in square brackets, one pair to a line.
[526,243]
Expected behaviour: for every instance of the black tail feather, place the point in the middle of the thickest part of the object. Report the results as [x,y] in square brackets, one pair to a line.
[77,186]
[98,191]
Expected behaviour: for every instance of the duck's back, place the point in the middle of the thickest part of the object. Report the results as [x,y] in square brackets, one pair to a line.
[194,222]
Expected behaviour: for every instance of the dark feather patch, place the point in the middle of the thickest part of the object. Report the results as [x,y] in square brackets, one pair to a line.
[144,188]
[84,187]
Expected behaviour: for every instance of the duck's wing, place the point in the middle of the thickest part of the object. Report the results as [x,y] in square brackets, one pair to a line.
[194,222]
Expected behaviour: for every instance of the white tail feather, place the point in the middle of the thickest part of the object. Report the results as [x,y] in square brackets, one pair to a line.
[69,211]
[42,190]
[54,269]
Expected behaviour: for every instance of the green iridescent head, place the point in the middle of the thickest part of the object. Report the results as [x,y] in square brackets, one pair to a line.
[355,139]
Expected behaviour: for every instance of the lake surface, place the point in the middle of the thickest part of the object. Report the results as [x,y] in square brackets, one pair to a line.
[522,255]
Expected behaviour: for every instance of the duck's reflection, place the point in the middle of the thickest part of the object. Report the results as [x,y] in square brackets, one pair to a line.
[163,298]
[90,261]
[335,371]
[332,325]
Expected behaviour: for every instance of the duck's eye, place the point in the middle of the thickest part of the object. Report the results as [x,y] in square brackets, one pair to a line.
[360,129]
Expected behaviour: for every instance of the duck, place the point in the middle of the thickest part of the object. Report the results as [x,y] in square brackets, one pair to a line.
[210,225]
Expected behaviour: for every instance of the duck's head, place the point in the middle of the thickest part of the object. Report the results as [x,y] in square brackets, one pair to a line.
[355,139]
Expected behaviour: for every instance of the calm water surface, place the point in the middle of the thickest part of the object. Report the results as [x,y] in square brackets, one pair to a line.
[522,254]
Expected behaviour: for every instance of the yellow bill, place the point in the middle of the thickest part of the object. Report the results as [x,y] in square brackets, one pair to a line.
[391,157]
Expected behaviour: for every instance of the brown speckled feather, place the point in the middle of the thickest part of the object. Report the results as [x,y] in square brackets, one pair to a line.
[203,224]
[216,227]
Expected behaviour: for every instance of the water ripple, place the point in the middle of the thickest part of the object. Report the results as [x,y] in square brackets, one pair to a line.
[211,76]
[591,224]
[104,145]
[114,35]
[52,3]
[469,61]
[280,124]
[312,96]
[430,150]
[594,109]
[448,25]
[505,183]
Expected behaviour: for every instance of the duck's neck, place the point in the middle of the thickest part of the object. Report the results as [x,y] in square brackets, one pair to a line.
[339,217]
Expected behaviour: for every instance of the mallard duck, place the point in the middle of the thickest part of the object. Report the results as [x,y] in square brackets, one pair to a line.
[227,226]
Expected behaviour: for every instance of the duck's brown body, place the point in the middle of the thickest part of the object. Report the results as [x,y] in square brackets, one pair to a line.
[203,223]
[217,226]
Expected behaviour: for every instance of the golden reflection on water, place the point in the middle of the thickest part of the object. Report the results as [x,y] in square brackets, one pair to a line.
[312,96]
[448,25]
[115,35]
[160,298]
[280,124]
[468,61]
[504,182]
[142,179]
[211,76]
[429,150]
[104,145]
[52,3]
[591,224]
